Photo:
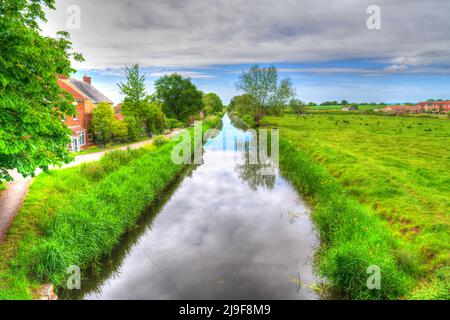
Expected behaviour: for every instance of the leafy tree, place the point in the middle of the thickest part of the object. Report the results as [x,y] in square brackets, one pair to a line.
[141,114]
[241,104]
[179,96]
[344,102]
[212,103]
[105,126]
[297,106]
[32,105]
[263,86]
[134,88]
[135,129]
[154,119]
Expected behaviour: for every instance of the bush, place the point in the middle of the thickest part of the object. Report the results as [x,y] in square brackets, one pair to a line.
[173,123]
[160,140]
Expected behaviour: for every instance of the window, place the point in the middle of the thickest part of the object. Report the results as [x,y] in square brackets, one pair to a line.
[75,116]
[82,138]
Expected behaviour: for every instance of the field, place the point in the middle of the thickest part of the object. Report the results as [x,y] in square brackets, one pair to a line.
[397,167]
[335,107]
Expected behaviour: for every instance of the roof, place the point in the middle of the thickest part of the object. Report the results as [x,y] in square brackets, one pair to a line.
[441,102]
[90,91]
[66,87]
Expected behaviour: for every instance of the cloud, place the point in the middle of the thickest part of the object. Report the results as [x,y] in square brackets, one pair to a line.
[189,74]
[396,68]
[197,33]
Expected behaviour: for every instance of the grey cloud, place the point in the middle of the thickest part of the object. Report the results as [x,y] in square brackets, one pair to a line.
[198,33]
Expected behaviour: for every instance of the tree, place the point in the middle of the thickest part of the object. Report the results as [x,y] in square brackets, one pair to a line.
[32,105]
[154,119]
[179,96]
[134,88]
[262,85]
[297,106]
[241,104]
[344,102]
[212,103]
[105,126]
[142,115]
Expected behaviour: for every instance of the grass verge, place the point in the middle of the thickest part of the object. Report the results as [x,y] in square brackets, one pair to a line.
[76,216]
[352,238]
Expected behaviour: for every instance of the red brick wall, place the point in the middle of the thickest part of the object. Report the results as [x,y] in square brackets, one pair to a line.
[81,122]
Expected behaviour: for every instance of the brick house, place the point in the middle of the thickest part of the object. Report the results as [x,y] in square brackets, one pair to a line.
[86,99]
[441,106]
[399,109]
[435,106]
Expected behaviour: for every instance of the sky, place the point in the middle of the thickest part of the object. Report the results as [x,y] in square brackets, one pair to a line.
[325,47]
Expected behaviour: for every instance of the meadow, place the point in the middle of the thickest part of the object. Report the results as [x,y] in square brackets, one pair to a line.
[76,216]
[392,197]
[335,107]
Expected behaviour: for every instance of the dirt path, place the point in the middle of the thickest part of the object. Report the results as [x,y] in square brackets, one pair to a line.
[12,198]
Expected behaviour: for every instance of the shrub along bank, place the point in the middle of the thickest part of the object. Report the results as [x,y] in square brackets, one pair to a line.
[76,216]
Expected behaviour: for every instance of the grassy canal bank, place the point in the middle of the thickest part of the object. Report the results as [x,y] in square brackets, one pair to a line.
[380,189]
[76,216]
[380,196]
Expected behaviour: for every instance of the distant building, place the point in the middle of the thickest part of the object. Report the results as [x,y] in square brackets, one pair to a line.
[349,108]
[86,98]
[421,107]
[400,109]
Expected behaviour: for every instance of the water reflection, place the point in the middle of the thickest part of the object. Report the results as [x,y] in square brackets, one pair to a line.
[225,233]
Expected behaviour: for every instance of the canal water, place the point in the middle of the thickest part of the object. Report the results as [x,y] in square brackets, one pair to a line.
[224,231]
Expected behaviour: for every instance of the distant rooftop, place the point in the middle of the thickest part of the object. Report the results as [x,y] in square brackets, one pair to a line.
[91,92]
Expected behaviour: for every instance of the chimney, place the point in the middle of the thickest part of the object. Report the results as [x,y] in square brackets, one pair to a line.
[87,79]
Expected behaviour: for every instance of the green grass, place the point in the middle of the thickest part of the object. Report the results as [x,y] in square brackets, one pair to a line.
[76,216]
[108,146]
[339,107]
[393,170]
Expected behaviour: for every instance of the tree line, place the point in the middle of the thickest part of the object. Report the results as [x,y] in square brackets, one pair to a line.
[176,102]
[33,106]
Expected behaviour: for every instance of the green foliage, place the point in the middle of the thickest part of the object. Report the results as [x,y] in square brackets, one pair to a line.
[173,123]
[160,140]
[212,103]
[32,105]
[142,114]
[241,104]
[262,85]
[135,128]
[134,89]
[105,126]
[179,96]
[297,106]
[155,121]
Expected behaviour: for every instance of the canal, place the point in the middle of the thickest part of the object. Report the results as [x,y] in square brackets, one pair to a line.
[224,231]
